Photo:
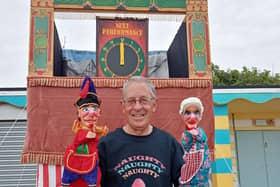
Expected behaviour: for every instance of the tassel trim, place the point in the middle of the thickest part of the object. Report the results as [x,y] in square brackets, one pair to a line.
[57,158]
[52,158]
[70,82]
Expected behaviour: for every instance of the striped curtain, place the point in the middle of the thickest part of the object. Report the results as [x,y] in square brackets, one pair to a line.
[49,175]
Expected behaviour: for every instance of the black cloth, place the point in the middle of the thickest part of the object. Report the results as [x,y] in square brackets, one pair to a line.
[177,54]
[156,159]
[59,61]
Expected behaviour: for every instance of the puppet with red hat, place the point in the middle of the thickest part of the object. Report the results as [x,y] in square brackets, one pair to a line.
[81,157]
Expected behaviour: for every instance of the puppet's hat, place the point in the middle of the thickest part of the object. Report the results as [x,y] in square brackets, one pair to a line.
[191,101]
[87,93]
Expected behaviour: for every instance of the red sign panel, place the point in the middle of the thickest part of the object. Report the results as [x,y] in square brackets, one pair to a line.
[122,47]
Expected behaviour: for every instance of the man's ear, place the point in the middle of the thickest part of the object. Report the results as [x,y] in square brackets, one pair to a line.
[155,106]
[122,105]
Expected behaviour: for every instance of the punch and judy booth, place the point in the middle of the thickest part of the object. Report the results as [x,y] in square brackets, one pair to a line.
[121,51]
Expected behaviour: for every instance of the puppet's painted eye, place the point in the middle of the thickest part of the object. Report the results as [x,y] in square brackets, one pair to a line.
[187,113]
[191,112]
[85,109]
[95,108]
[196,112]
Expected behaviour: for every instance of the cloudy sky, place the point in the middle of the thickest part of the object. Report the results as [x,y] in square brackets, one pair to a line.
[243,33]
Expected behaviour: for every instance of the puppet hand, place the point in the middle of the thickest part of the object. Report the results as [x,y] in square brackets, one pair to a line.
[194,132]
[91,134]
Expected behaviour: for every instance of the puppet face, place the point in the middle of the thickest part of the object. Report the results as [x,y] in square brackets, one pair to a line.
[191,117]
[89,114]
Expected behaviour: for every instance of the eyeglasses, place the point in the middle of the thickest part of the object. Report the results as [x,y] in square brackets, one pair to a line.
[131,102]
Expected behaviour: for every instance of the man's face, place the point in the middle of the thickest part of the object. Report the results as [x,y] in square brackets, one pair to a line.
[89,114]
[138,106]
[191,117]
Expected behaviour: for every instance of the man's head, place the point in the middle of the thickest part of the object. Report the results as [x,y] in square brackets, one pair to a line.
[139,79]
[191,110]
[138,103]
[88,104]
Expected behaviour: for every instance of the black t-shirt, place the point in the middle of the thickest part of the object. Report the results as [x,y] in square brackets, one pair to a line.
[155,159]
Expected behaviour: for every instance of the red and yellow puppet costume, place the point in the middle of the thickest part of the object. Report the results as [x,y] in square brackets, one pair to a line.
[81,157]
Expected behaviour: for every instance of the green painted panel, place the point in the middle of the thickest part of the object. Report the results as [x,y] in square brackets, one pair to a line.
[200,63]
[41,47]
[137,3]
[93,2]
[199,44]
[41,24]
[170,3]
[198,37]
[41,41]
[105,2]
[69,2]
[40,60]
[198,28]
[129,3]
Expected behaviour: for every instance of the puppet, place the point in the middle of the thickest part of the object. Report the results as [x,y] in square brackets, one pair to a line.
[81,157]
[196,170]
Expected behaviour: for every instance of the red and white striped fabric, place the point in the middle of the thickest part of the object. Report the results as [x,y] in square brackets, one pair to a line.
[49,175]
[193,162]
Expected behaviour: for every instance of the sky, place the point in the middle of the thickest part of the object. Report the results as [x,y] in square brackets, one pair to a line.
[242,33]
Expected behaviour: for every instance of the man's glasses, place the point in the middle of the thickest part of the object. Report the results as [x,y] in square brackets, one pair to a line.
[131,102]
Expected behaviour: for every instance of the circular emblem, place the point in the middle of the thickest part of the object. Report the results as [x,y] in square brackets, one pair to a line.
[121,57]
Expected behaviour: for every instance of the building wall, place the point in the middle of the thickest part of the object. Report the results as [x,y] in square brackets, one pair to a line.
[238,110]
[248,116]
[10,112]
[222,167]
[231,115]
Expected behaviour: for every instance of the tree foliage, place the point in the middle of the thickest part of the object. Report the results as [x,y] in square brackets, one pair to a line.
[245,77]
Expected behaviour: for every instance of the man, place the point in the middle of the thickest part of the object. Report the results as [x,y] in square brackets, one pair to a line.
[139,154]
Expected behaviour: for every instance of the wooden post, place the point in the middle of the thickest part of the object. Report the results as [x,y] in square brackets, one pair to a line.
[41,38]
[198,39]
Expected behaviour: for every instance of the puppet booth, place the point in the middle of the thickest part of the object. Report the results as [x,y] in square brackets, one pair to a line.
[121,52]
